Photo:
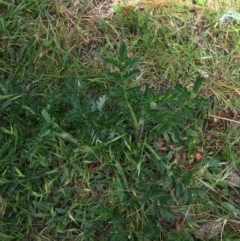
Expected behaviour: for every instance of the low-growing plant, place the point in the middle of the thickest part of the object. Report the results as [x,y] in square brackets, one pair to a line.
[104,162]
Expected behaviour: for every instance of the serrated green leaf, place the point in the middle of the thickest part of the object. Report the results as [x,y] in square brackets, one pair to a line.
[176,236]
[112,61]
[182,93]
[122,52]
[213,162]
[197,84]
[131,62]
[113,77]
[131,75]
[167,213]
[190,113]
[101,102]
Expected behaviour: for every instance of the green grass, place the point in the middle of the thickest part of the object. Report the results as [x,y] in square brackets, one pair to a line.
[101,121]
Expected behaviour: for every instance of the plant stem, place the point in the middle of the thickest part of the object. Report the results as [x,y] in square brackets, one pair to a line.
[136,124]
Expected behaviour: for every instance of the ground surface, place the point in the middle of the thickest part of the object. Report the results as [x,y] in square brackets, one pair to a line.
[119,122]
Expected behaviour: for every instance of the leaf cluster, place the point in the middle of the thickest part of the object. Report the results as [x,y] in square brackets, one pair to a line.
[83,161]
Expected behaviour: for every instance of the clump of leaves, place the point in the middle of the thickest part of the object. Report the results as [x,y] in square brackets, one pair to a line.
[89,161]
[143,117]
[149,112]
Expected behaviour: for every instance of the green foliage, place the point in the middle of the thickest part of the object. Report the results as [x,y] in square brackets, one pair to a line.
[96,128]
[201,2]
[85,153]
[173,236]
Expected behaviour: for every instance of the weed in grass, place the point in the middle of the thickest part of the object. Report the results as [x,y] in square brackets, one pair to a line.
[87,154]
[124,180]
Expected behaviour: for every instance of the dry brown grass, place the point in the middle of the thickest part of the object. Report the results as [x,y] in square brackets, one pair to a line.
[146,2]
[210,4]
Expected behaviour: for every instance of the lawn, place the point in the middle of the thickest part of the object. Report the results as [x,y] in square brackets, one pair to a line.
[119,122]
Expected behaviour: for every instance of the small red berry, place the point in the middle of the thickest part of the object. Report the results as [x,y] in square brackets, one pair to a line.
[198,156]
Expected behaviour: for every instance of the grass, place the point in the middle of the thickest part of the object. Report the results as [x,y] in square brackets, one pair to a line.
[97,144]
